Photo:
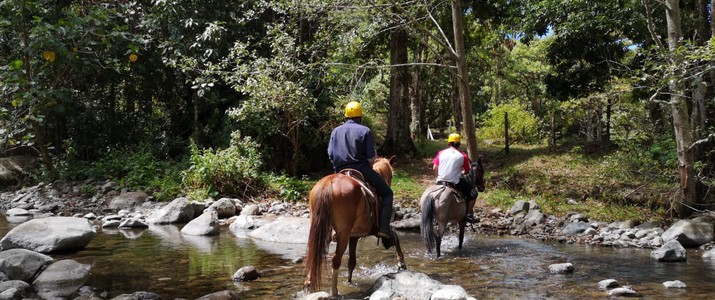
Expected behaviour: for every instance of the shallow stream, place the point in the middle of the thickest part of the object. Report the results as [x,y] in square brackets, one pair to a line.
[162,260]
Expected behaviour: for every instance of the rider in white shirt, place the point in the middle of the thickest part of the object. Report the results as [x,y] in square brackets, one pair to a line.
[449,165]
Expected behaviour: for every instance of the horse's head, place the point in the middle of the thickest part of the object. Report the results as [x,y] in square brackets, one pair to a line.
[383,166]
[476,174]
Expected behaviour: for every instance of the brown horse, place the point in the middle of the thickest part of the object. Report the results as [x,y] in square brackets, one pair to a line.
[440,204]
[339,203]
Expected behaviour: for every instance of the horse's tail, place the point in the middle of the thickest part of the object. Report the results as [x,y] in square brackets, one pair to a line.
[319,236]
[426,227]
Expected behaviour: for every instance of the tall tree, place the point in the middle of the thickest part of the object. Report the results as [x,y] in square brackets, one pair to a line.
[462,78]
[684,135]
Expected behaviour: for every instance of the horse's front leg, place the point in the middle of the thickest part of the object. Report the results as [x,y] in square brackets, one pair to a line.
[400,256]
[352,259]
[462,225]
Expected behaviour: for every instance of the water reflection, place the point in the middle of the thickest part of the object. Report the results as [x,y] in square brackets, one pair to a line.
[162,260]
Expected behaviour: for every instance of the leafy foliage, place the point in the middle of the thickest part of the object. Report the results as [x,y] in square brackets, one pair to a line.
[231,171]
[523,125]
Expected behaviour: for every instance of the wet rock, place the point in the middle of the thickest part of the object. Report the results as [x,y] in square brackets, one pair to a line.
[251,210]
[221,295]
[133,223]
[625,291]
[412,285]
[138,296]
[520,206]
[674,284]
[17,212]
[534,217]
[22,264]
[11,294]
[710,254]
[690,233]
[128,200]
[318,296]
[247,273]
[285,230]
[177,211]
[608,284]
[575,228]
[206,224]
[21,287]
[224,207]
[50,234]
[407,224]
[61,279]
[245,223]
[563,268]
[670,252]
[111,224]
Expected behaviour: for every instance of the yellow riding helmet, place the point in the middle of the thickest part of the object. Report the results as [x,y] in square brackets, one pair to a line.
[353,110]
[454,138]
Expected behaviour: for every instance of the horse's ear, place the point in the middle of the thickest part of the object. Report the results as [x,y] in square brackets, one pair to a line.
[393,160]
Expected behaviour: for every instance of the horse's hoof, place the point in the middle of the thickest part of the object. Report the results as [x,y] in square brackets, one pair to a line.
[402,267]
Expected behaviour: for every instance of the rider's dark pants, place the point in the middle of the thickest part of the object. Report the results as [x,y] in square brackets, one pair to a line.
[385,193]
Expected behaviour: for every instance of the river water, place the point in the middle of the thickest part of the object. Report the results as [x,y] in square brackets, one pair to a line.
[162,260]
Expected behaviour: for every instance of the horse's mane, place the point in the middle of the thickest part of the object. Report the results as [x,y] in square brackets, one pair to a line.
[383,166]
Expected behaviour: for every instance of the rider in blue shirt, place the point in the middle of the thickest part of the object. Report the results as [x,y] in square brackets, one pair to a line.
[353,146]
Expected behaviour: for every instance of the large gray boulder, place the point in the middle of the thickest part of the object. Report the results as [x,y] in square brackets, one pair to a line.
[224,207]
[22,264]
[284,230]
[575,228]
[413,285]
[128,200]
[670,252]
[50,234]
[205,224]
[689,233]
[61,279]
[177,211]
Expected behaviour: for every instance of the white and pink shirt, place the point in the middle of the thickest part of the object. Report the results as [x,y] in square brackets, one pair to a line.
[450,163]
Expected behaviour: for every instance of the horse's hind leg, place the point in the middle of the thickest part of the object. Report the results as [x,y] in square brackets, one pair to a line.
[441,228]
[352,259]
[342,245]
[462,224]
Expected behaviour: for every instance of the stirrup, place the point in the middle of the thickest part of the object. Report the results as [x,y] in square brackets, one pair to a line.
[471,219]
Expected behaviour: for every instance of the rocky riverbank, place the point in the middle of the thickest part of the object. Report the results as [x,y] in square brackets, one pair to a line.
[104,206]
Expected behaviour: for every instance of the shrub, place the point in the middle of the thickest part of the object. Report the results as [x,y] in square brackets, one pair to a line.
[231,171]
[135,168]
[523,125]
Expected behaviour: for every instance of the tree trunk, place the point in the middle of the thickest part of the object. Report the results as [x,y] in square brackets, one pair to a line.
[416,95]
[398,139]
[609,108]
[684,136]
[463,77]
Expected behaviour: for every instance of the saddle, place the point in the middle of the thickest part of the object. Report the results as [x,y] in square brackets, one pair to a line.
[458,195]
[373,205]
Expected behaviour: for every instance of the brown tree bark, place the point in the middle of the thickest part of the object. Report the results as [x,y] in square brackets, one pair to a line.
[468,129]
[684,136]
[416,126]
[398,139]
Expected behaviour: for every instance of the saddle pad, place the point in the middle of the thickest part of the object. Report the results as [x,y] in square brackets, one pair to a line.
[457,195]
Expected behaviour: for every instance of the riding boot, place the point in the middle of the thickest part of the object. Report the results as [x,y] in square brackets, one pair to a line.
[385,216]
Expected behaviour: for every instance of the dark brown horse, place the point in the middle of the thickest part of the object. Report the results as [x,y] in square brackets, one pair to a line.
[440,204]
[338,203]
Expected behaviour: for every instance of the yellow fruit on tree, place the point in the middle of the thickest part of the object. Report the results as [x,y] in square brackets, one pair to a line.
[133,57]
[49,55]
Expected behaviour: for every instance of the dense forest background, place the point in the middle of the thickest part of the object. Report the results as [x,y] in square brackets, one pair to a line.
[222,97]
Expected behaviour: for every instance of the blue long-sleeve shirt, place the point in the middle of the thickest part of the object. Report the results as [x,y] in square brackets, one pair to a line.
[351,146]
